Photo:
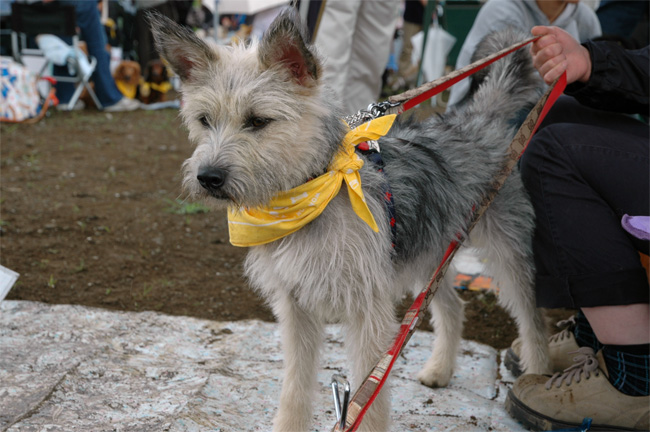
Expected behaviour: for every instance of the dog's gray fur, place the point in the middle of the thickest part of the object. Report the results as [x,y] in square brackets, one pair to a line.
[261,118]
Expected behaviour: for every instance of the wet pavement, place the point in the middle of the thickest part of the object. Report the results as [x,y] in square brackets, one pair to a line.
[73,368]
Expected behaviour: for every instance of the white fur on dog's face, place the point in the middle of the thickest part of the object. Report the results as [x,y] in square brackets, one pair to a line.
[252,111]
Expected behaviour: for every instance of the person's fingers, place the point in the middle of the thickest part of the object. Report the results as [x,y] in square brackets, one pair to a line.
[556,52]
[551,50]
[543,42]
[552,54]
[541,30]
[555,72]
[545,68]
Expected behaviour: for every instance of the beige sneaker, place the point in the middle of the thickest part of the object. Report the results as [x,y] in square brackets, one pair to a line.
[78,106]
[582,391]
[559,347]
[124,104]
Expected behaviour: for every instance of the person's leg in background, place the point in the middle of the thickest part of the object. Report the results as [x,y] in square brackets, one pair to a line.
[582,179]
[92,32]
[355,37]
[146,48]
[373,38]
[583,175]
[407,71]
[334,39]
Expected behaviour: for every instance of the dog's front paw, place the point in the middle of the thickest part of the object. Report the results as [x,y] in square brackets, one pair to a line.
[434,376]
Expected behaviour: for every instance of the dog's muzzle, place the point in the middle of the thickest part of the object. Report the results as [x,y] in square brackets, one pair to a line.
[212,179]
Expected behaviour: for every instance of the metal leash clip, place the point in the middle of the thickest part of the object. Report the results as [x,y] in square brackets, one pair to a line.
[341,409]
[379,109]
[373,111]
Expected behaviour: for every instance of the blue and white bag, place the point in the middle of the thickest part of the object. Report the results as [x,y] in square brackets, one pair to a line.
[20,97]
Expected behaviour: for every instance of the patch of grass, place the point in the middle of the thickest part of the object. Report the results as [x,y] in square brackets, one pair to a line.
[51,282]
[7,160]
[140,296]
[9,128]
[184,208]
[488,300]
[32,160]
[81,267]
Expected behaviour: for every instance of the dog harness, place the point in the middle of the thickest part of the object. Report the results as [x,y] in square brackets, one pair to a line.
[291,210]
[373,155]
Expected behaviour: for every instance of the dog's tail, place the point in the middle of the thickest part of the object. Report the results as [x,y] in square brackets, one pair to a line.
[512,80]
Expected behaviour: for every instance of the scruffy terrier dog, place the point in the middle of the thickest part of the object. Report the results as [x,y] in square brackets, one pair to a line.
[263,122]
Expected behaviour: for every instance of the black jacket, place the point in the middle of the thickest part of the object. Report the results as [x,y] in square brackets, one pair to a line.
[619,79]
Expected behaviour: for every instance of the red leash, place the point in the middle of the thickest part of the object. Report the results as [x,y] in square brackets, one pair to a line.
[369,389]
[412,98]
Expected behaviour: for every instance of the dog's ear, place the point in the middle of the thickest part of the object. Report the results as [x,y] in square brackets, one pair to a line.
[184,51]
[286,43]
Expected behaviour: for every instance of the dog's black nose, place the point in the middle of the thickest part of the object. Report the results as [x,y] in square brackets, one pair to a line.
[211,178]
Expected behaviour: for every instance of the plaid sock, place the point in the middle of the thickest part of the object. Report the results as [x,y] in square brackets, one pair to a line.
[585,336]
[629,368]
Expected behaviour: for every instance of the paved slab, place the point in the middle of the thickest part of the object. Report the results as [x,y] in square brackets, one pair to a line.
[73,368]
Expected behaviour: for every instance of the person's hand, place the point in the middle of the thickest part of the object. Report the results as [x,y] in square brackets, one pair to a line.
[557,52]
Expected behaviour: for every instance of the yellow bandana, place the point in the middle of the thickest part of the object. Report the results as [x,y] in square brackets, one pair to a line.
[163,87]
[291,210]
[126,89]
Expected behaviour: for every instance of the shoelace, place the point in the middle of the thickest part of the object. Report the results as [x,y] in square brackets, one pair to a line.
[566,326]
[585,362]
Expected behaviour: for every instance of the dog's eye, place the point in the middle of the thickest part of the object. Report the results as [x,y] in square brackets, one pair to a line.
[204,121]
[257,122]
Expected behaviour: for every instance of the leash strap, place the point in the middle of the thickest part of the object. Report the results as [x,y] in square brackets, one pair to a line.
[413,97]
[397,104]
[369,389]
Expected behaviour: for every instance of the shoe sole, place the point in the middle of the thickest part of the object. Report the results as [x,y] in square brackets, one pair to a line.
[511,362]
[535,421]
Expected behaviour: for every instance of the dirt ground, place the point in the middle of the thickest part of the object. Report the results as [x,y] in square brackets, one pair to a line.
[91,213]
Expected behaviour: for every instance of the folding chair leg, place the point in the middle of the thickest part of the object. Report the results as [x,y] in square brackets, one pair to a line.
[75,97]
[92,94]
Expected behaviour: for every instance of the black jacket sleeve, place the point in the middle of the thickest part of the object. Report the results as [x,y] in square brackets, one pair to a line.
[619,79]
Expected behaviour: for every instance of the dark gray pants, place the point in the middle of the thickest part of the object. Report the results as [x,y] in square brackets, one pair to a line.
[584,169]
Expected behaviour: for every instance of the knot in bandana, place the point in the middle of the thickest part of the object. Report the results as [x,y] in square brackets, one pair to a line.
[293,209]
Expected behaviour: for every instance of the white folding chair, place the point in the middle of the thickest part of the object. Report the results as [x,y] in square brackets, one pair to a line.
[30,20]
